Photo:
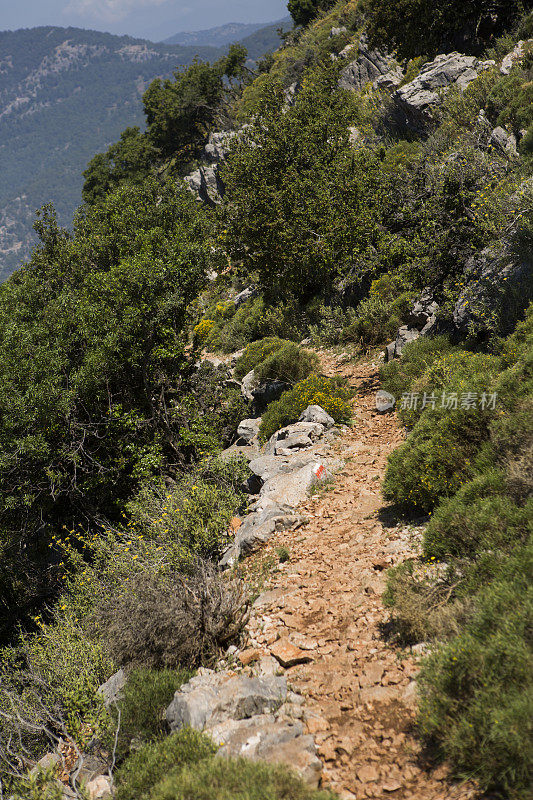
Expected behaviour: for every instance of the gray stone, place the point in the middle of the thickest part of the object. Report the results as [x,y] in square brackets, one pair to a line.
[206,184]
[504,142]
[101,788]
[112,688]
[248,429]
[267,466]
[317,414]
[290,489]
[365,69]
[294,437]
[255,531]
[416,101]
[390,80]
[516,54]
[210,699]
[248,383]
[218,145]
[248,451]
[337,32]
[242,297]
[423,310]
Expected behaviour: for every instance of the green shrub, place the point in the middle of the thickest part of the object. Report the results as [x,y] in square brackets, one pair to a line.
[146,694]
[192,516]
[424,605]
[481,516]
[290,364]
[255,353]
[332,394]
[378,319]
[477,691]
[149,765]
[224,779]
[436,460]
[398,376]
[243,327]
[176,620]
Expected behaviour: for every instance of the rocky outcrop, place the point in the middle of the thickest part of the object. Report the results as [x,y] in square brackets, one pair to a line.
[421,321]
[206,183]
[500,287]
[416,102]
[504,142]
[293,460]
[370,67]
[251,716]
[516,55]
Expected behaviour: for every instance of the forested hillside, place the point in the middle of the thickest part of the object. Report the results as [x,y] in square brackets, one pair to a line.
[364,192]
[66,93]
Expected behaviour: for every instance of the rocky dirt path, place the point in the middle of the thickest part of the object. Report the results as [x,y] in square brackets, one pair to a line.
[327,601]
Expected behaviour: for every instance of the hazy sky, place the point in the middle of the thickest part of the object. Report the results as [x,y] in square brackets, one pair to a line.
[151,19]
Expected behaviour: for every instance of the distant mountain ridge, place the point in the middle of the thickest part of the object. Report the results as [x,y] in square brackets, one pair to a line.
[65,95]
[216,37]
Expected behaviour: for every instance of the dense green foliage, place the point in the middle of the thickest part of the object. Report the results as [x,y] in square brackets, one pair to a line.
[303,11]
[419,27]
[114,504]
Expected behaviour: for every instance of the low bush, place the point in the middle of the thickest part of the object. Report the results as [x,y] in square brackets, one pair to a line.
[177,620]
[145,768]
[436,460]
[290,363]
[192,516]
[398,376]
[378,319]
[332,394]
[224,779]
[146,694]
[481,516]
[255,353]
[424,605]
[477,691]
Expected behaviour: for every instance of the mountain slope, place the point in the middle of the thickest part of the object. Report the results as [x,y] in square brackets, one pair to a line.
[65,94]
[215,37]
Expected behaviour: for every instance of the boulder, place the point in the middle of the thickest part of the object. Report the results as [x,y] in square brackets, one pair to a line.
[242,297]
[516,54]
[211,698]
[247,384]
[292,438]
[268,466]
[415,103]
[218,146]
[504,142]
[257,529]
[421,321]
[248,429]
[206,184]
[367,68]
[318,415]
[111,690]
[290,489]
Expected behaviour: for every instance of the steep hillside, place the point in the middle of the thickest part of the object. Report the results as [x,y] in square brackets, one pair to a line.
[288,345]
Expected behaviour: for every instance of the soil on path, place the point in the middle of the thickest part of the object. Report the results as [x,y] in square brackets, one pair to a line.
[327,600]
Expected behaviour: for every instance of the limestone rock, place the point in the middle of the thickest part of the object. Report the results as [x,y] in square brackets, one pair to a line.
[248,429]
[242,297]
[516,54]
[369,66]
[499,289]
[416,101]
[293,438]
[288,654]
[504,142]
[211,698]
[267,393]
[112,688]
[317,414]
